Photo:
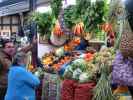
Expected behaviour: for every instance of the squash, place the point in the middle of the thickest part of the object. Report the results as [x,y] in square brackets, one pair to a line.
[121,89]
[67,48]
[77,41]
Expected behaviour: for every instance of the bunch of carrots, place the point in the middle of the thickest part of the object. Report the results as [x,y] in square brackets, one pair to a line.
[79,28]
[57,30]
[70,46]
[107,27]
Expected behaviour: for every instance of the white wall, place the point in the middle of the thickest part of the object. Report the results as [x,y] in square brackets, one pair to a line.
[44,48]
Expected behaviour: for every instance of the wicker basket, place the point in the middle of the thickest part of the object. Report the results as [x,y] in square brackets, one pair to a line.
[126,44]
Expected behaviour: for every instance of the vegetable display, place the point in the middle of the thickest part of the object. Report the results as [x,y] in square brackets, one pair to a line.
[84,68]
[103,91]
[104,60]
[47,59]
[79,29]
[106,55]
[63,61]
[69,16]
[86,20]
[91,14]
[81,70]
[99,35]
[56,5]
[45,22]
[57,29]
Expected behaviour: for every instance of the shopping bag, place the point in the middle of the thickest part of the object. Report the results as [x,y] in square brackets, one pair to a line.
[84,91]
[67,90]
[51,87]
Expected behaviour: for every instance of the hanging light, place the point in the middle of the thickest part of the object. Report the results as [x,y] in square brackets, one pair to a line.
[123,0]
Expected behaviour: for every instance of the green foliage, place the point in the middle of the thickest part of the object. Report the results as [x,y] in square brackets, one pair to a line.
[91,14]
[69,16]
[118,40]
[103,91]
[84,11]
[79,63]
[45,22]
[56,6]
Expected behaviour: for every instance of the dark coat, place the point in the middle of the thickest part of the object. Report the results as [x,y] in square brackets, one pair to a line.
[5,63]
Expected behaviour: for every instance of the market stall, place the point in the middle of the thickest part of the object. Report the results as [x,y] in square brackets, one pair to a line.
[84,42]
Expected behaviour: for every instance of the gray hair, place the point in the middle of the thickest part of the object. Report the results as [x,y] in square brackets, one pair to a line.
[19,56]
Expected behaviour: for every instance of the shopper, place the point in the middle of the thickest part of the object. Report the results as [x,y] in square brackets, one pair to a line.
[122,72]
[21,83]
[6,53]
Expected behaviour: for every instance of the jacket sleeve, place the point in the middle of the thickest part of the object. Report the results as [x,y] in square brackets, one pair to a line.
[30,79]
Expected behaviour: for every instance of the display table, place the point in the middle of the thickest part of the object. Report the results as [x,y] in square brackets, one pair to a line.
[96,44]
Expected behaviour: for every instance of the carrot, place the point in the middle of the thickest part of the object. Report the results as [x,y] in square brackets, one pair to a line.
[78,30]
[57,30]
[75,29]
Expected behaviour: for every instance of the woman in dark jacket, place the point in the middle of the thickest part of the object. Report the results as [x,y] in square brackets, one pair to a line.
[21,83]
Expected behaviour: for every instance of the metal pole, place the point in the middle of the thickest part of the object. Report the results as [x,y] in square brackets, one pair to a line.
[32,5]
[33,30]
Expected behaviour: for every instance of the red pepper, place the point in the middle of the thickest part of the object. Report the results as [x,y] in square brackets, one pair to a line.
[89,56]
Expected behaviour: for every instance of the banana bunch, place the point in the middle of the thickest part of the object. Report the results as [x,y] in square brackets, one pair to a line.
[47,61]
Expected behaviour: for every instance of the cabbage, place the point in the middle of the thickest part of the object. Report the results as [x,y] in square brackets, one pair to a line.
[79,63]
[77,73]
[59,52]
[85,77]
[68,72]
